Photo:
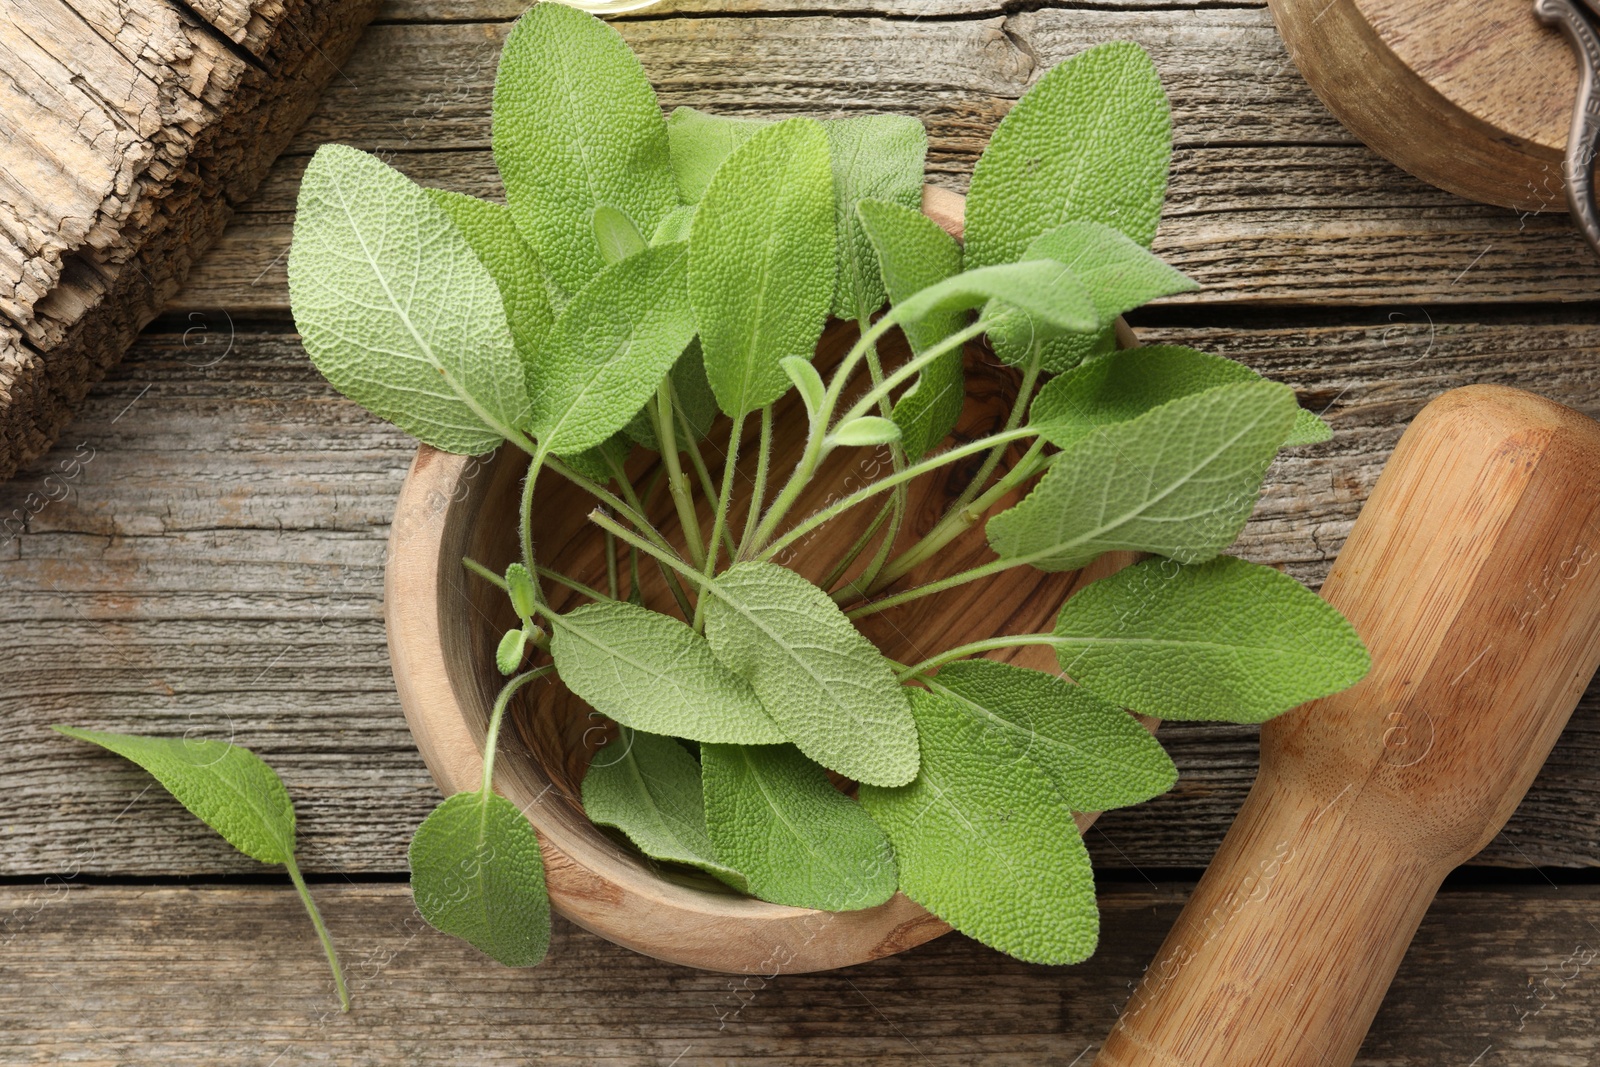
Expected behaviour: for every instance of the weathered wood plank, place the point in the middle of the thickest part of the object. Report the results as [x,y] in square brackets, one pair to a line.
[127,133]
[233,975]
[203,551]
[1272,202]
[508,10]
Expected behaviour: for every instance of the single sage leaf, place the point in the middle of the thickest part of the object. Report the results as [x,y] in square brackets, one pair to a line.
[519,584]
[225,786]
[1097,755]
[592,463]
[827,686]
[876,157]
[396,309]
[648,786]
[651,672]
[806,380]
[865,431]
[1043,289]
[1181,480]
[693,397]
[914,252]
[700,142]
[761,262]
[476,874]
[577,125]
[616,235]
[1090,141]
[986,843]
[675,227]
[1309,429]
[510,261]
[1226,640]
[508,655]
[773,815]
[608,351]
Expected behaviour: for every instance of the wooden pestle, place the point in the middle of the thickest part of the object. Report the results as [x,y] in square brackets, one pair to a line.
[1473,575]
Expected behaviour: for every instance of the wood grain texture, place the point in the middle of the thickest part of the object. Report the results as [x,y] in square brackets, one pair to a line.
[216,564]
[128,132]
[1272,201]
[231,975]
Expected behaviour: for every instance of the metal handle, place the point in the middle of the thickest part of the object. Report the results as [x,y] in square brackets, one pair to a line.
[1577,20]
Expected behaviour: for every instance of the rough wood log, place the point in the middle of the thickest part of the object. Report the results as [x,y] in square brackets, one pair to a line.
[128,133]
[225,975]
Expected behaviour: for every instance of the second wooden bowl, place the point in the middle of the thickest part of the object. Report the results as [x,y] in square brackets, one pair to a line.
[443,625]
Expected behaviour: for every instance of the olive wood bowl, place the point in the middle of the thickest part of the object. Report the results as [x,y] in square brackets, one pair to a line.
[443,625]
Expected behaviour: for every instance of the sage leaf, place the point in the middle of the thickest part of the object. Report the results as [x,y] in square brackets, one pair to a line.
[615,234]
[396,309]
[1043,289]
[876,157]
[1180,480]
[773,815]
[510,261]
[1096,755]
[477,874]
[651,672]
[1090,141]
[1124,385]
[609,349]
[825,685]
[675,227]
[693,395]
[1226,640]
[807,381]
[592,463]
[576,125]
[914,252]
[865,431]
[700,142]
[648,786]
[761,262]
[519,585]
[985,842]
[508,654]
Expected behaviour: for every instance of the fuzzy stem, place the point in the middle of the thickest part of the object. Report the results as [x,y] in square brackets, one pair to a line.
[981,571]
[677,484]
[322,931]
[987,645]
[621,478]
[611,565]
[606,522]
[507,691]
[534,467]
[758,495]
[911,367]
[856,549]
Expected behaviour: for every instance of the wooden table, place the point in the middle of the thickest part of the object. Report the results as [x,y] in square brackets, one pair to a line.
[203,551]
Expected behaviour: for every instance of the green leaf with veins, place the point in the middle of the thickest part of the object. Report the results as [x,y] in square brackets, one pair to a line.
[1041,288]
[986,843]
[774,815]
[700,142]
[866,431]
[477,874]
[826,686]
[1090,141]
[675,227]
[1097,755]
[576,125]
[510,261]
[609,349]
[651,672]
[761,262]
[592,463]
[648,786]
[1226,640]
[1124,385]
[615,234]
[1181,480]
[914,252]
[875,157]
[396,309]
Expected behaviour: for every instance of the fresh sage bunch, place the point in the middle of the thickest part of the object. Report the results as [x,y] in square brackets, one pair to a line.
[651,281]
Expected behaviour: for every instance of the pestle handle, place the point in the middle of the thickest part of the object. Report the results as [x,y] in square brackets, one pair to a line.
[1473,575]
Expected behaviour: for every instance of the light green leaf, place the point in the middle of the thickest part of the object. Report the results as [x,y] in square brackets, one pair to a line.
[592,462]
[510,261]
[675,227]
[508,656]
[693,395]
[615,234]
[1060,354]
[519,584]
[1119,273]
[476,874]
[648,786]
[914,252]
[1097,755]
[608,351]
[1181,480]
[700,142]
[651,672]
[806,380]
[761,261]
[1309,429]
[774,815]
[866,431]
[986,843]
[876,157]
[1041,288]
[1226,640]
[1124,385]
[829,689]
[225,786]
[395,308]
[577,125]
[1090,141]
